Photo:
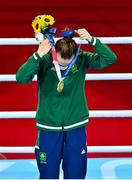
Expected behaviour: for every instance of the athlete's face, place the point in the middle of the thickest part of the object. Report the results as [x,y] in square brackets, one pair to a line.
[62,61]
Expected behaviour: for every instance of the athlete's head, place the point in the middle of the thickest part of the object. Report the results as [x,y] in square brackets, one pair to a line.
[66,49]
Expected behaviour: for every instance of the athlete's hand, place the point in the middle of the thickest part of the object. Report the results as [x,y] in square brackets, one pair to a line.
[44,47]
[84,34]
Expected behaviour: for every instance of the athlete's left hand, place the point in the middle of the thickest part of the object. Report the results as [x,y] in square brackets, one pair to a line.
[84,34]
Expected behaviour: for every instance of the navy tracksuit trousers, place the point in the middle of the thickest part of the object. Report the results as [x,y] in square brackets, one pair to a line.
[68,146]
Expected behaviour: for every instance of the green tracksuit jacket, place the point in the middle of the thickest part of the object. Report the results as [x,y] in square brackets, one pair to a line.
[62,111]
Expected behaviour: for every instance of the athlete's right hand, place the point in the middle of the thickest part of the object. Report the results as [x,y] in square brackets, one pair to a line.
[44,47]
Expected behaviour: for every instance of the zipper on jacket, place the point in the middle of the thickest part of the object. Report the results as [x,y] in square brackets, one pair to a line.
[62,126]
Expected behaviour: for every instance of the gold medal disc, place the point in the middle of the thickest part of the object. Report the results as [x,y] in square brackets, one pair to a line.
[60,86]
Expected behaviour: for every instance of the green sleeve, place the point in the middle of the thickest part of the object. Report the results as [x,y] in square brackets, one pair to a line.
[102,57]
[26,72]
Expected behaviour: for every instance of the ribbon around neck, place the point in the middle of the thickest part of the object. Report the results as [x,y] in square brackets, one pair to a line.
[49,33]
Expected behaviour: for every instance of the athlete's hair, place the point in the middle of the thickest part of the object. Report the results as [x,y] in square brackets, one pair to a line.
[67,47]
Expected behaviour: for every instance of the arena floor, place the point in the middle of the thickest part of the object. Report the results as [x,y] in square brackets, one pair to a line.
[98,168]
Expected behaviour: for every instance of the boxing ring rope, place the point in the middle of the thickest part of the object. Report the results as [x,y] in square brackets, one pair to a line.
[97,76]
[91,149]
[92,114]
[96,114]
[32,41]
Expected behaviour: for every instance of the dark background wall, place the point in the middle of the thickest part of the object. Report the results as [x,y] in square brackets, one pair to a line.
[101,18]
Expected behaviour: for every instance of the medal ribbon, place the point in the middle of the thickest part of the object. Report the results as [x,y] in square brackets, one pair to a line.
[49,34]
[57,68]
[72,63]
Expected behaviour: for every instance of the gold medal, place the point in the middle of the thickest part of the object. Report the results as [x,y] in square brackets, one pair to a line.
[60,86]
